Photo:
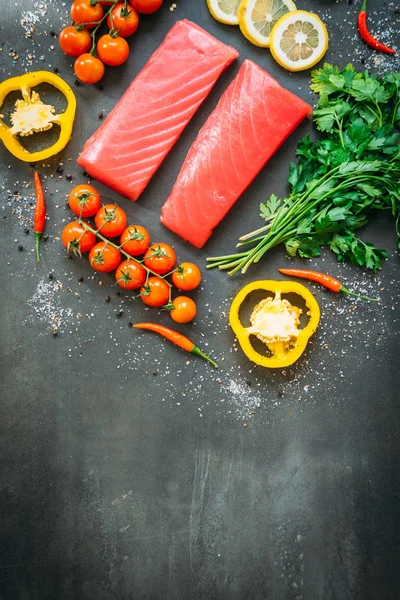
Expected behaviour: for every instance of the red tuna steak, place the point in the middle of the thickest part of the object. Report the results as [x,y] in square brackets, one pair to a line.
[128,148]
[253,118]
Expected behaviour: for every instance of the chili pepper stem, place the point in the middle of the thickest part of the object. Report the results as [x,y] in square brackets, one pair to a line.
[196,350]
[346,291]
[38,235]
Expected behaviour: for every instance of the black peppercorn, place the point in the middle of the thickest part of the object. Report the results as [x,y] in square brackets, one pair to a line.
[20,247]
[107,299]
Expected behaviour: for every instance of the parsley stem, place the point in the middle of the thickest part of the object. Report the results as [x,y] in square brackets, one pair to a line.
[285,228]
[375,115]
[256,231]
[340,130]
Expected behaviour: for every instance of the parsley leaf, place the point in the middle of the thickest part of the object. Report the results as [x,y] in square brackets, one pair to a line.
[270,207]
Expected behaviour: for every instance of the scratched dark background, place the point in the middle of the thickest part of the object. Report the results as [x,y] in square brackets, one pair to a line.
[126,473]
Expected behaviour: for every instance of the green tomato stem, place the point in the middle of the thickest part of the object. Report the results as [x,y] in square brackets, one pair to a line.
[119,248]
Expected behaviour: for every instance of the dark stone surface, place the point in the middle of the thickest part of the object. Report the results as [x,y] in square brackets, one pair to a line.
[126,473]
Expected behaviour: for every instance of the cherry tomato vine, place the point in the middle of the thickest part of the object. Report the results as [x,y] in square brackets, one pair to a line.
[148,274]
[88,16]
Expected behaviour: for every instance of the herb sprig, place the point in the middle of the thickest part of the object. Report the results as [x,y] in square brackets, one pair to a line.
[353,169]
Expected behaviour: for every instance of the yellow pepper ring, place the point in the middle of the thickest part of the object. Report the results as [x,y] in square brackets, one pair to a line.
[282,355]
[65,120]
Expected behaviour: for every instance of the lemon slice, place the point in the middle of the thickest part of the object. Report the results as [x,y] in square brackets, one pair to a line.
[224,11]
[299,40]
[258,17]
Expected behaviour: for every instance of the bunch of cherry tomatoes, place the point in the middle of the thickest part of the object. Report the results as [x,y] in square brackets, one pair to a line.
[145,265]
[112,48]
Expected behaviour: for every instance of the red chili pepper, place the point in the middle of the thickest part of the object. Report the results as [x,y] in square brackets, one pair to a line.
[326,280]
[365,34]
[175,337]
[40,213]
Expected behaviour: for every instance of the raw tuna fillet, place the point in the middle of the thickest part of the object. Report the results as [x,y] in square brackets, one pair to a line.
[128,148]
[253,118]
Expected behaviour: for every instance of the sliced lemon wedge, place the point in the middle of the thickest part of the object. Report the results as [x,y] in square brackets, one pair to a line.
[224,11]
[258,17]
[299,40]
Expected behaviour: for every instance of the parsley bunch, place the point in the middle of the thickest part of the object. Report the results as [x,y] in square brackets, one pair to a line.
[351,170]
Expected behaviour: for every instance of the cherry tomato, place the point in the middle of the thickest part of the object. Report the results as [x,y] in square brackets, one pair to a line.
[88,68]
[160,258]
[130,275]
[82,11]
[146,7]
[186,276]
[112,50]
[74,42]
[135,240]
[84,201]
[76,239]
[111,220]
[155,292]
[123,20]
[184,309]
[104,258]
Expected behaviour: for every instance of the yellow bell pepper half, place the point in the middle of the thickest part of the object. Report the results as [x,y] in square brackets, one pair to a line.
[276,322]
[32,115]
